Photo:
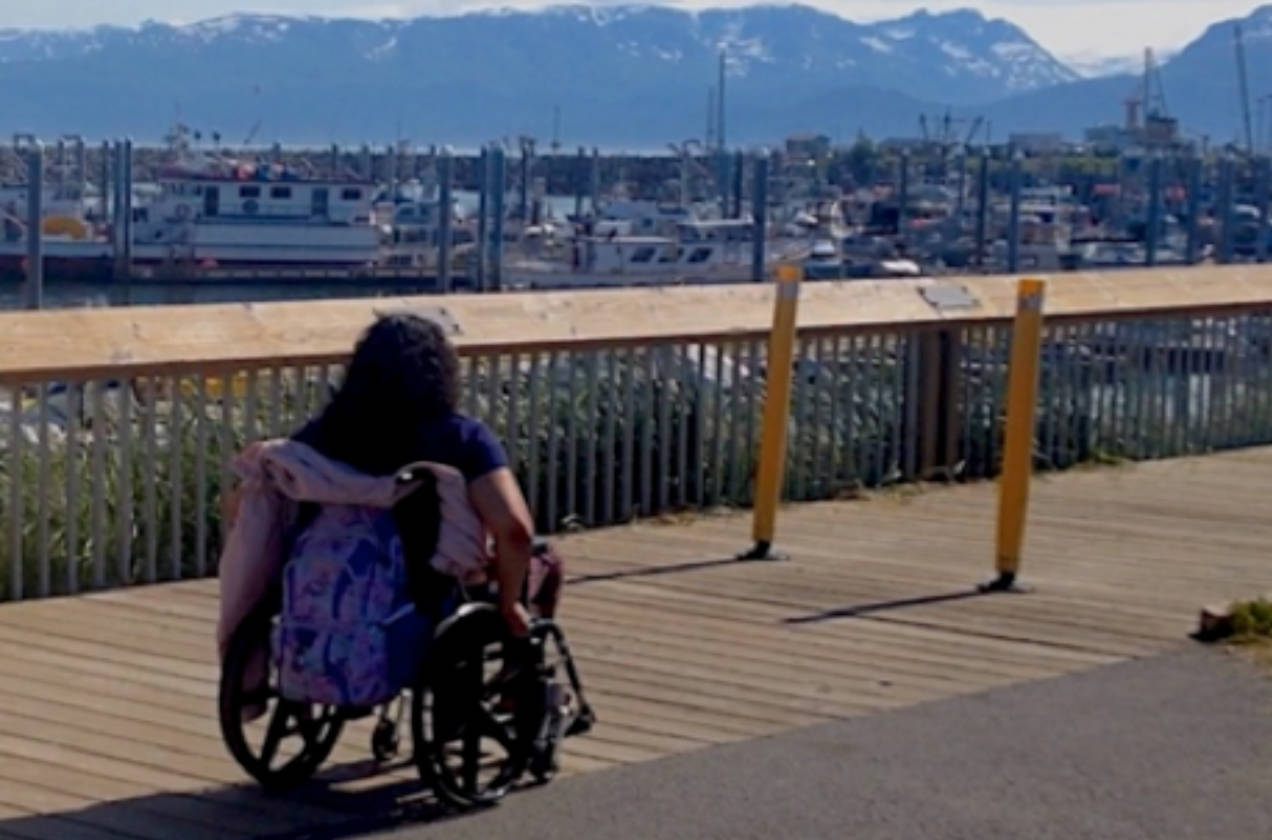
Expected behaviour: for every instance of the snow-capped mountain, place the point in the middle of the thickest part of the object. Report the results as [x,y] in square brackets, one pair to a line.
[636,72]
[1201,84]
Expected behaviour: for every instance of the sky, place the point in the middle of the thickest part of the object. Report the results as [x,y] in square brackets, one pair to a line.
[1072,29]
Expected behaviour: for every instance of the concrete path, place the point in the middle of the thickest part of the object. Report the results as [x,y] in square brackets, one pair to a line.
[1178,746]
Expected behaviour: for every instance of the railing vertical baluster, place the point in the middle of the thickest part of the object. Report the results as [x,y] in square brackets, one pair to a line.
[900,352]
[330,378]
[985,429]
[736,474]
[250,406]
[472,385]
[820,386]
[609,466]
[1096,387]
[551,472]
[913,436]
[1231,371]
[99,484]
[1063,395]
[513,410]
[629,433]
[1143,386]
[1194,353]
[225,451]
[200,471]
[1167,347]
[667,390]
[794,483]
[1246,377]
[42,483]
[717,426]
[887,409]
[124,522]
[296,385]
[572,437]
[1195,362]
[532,433]
[589,460]
[1002,339]
[647,432]
[683,364]
[700,427]
[1135,388]
[833,357]
[967,408]
[17,501]
[176,482]
[753,382]
[872,397]
[1085,404]
[1262,362]
[74,413]
[1216,391]
[150,477]
[1213,364]
[1155,366]
[1116,363]
[849,466]
[275,401]
[494,379]
[1046,433]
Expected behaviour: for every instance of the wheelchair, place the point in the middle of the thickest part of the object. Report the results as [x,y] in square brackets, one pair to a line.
[486,709]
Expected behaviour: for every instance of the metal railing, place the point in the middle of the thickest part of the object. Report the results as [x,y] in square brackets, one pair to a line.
[109,480]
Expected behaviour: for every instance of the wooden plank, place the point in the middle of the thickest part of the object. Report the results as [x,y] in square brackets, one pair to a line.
[109,697]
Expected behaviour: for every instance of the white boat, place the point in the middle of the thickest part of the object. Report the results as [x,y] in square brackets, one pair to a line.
[701,251]
[223,212]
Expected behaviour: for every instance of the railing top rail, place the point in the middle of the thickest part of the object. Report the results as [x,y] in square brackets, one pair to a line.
[84,343]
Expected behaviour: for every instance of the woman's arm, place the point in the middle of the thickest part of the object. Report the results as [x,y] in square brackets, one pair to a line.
[504,512]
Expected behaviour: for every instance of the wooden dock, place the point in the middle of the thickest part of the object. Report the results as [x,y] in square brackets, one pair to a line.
[107,701]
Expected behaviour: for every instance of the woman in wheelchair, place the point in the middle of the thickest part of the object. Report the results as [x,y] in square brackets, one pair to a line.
[387,547]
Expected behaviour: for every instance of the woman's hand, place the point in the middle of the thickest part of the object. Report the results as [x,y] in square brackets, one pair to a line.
[517,617]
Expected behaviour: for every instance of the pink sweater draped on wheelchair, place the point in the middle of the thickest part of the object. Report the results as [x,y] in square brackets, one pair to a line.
[277,475]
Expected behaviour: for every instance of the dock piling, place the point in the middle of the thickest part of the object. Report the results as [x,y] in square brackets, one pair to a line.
[759,212]
[444,213]
[33,288]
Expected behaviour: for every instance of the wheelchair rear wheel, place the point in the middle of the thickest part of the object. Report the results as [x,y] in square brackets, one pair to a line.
[469,713]
[278,742]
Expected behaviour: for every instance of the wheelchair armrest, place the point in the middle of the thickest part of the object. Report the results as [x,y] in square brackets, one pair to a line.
[540,546]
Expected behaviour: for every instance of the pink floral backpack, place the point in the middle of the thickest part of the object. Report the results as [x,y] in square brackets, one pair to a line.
[344,589]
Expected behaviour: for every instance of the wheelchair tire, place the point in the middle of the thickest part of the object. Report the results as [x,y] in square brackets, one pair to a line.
[468,748]
[316,728]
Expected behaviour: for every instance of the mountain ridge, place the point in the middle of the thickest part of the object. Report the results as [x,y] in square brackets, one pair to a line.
[630,74]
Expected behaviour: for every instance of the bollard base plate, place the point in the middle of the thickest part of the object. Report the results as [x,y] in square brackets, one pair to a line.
[763,551]
[1005,582]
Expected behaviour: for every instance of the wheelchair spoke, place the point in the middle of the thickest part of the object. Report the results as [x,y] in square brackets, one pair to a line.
[274,736]
[471,758]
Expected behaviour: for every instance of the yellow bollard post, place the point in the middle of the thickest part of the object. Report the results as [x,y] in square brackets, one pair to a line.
[1022,397]
[777,402]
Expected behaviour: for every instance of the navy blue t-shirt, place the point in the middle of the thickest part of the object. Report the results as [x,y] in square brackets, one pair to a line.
[457,441]
[461,442]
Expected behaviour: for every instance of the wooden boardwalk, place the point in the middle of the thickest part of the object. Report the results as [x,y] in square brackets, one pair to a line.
[107,721]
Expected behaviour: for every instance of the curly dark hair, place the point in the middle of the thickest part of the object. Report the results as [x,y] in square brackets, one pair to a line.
[404,373]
